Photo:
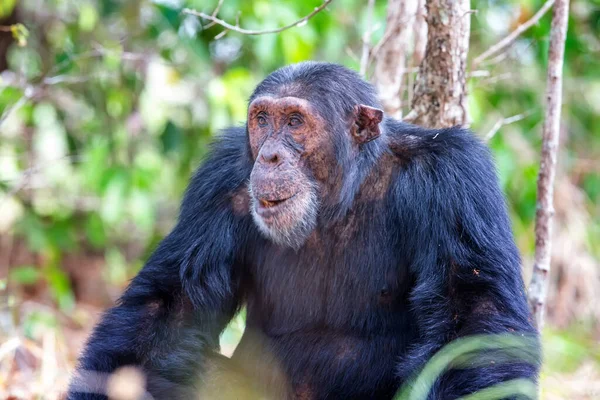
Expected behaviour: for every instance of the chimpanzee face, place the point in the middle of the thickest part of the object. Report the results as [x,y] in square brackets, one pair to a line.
[294,161]
[284,133]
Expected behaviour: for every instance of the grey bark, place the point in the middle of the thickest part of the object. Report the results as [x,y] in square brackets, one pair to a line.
[550,141]
[440,98]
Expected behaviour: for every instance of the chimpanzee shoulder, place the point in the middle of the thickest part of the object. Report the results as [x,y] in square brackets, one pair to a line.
[227,163]
[447,189]
[408,141]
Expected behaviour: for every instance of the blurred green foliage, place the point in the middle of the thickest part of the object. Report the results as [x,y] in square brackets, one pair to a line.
[110,106]
[472,352]
[117,102]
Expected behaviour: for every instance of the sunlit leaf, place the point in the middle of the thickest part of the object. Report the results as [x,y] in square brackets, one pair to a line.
[25,274]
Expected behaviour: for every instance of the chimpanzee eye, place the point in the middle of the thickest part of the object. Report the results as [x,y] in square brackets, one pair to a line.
[262,121]
[295,121]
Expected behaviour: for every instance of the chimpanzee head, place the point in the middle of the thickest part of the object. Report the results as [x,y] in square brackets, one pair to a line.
[310,130]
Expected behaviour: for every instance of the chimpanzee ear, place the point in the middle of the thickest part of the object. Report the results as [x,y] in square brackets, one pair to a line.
[366,123]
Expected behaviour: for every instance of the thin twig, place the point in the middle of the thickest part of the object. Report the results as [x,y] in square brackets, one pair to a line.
[410,88]
[386,36]
[411,70]
[28,93]
[26,175]
[420,34]
[514,34]
[505,121]
[351,54]
[506,54]
[550,141]
[221,34]
[214,15]
[243,31]
[480,73]
[55,80]
[366,49]
[497,78]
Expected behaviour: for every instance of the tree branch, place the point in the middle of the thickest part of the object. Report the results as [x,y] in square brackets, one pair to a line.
[514,34]
[420,33]
[366,49]
[505,121]
[214,15]
[214,20]
[550,141]
[14,107]
[391,54]
[386,36]
[26,175]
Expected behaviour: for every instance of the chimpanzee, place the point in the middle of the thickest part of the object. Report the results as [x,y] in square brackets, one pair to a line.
[360,246]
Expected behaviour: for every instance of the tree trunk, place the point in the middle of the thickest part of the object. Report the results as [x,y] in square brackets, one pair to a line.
[392,52]
[440,98]
[550,141]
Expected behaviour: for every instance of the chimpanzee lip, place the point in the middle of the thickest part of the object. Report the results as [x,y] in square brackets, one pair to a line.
[264,203]
[270,208]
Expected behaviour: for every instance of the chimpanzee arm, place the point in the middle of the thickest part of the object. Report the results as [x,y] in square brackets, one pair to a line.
[169,319]
[463,257]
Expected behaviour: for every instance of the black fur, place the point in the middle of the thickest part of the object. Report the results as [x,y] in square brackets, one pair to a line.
[382,285]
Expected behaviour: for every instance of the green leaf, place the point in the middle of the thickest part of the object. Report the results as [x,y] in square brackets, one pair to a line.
[113,201]
[25,274]
[88,17]
[171,138]
[20,34]
[6,7]
[506,348]
[60,287]
[509,389]
[94,229]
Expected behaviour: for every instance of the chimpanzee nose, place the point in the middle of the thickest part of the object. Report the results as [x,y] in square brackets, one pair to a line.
[270,156]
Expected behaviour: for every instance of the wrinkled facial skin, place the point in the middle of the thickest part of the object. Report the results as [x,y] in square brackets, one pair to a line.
[285,135]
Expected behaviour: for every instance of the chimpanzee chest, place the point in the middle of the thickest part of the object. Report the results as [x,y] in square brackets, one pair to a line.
[334,314]
[356,290]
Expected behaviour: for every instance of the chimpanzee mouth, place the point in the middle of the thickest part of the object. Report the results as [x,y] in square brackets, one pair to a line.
[264,203]
[286,221]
